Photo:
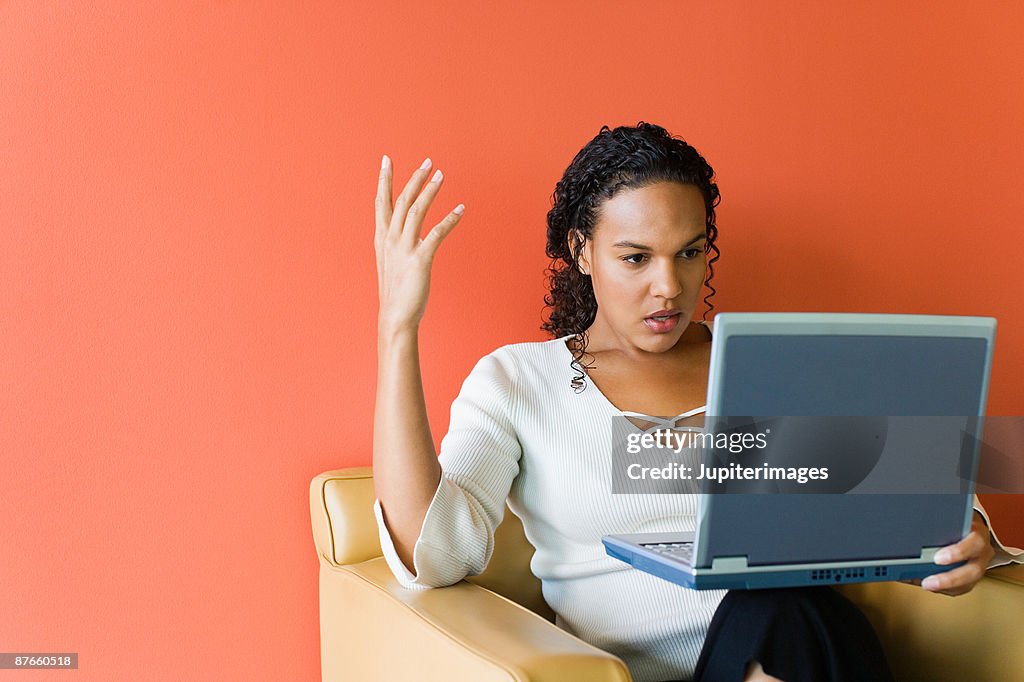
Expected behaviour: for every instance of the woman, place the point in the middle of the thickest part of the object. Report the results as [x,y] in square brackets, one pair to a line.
[632,234]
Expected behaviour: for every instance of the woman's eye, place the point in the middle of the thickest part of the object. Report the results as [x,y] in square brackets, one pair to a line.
[641,256]
[692,253]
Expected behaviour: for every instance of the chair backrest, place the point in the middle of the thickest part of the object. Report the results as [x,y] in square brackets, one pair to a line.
[345,532]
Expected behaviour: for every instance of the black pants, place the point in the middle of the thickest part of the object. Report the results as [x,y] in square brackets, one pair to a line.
[808,634]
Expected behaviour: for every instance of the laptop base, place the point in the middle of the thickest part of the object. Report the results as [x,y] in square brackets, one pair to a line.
[752,578]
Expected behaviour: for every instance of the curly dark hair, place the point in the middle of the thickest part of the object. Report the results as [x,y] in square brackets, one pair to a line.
[624,158]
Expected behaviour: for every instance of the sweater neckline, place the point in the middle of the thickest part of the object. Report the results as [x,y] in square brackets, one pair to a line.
[669,422]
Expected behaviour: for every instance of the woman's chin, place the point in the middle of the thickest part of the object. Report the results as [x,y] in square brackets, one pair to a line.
[660,343]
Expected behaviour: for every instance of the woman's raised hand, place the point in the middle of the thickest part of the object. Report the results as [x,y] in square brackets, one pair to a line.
[403,258]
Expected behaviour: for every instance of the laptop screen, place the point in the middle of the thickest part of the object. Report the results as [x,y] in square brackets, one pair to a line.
[853,375]
[841,365]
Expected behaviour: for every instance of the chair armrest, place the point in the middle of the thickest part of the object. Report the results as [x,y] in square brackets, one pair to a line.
[341,512]
[1012,573]
[372,628]
[934,637]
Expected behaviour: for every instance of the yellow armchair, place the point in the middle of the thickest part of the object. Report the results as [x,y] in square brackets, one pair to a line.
[496,626]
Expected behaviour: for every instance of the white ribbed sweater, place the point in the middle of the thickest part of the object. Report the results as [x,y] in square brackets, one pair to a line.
[520,434]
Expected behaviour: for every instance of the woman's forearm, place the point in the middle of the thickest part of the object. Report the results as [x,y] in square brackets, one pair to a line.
[405,467]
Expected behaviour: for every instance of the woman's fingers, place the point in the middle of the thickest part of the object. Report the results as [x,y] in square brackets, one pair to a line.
[975,549]
[968,548]
[955,582]
[442,229]
[418,211]
[383,202]
[406,198]
[403,259]
[405,218]
[974,546]
[383,212]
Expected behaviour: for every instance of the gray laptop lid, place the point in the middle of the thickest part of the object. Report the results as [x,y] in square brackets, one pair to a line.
[818,364]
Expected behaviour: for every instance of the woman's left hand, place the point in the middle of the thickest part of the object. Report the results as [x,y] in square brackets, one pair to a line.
[975,549]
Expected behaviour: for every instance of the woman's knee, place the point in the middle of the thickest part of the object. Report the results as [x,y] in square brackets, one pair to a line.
[755,673]
[809,601]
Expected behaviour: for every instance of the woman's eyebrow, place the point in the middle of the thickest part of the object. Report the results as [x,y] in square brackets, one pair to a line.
[642,247]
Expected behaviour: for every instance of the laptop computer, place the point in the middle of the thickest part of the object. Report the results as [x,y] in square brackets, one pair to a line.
[835,365]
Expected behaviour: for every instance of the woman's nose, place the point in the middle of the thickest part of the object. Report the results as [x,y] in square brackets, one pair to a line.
[666,283]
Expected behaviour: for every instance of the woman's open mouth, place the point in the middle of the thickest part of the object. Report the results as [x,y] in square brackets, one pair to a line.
[661,324]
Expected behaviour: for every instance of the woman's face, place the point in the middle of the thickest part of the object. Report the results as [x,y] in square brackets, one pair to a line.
[646,260]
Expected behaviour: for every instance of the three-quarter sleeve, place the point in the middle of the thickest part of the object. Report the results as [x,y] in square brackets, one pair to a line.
[479,460]
[1004,555]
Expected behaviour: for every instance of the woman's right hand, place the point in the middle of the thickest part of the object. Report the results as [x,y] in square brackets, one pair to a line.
[403,258]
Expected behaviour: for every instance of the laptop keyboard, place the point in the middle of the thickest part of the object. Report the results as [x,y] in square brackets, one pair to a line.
[681,551]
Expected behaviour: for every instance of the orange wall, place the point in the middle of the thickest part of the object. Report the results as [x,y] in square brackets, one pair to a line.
[187,288]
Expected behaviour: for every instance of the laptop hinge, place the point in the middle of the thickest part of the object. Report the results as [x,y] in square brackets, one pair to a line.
[729,564]
[738,564]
